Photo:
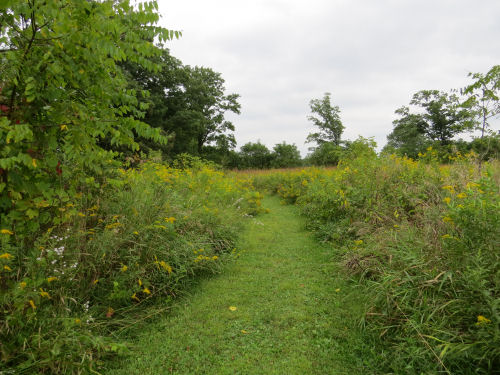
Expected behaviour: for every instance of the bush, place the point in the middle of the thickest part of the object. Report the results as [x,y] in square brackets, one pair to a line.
[422,239]
[141,238]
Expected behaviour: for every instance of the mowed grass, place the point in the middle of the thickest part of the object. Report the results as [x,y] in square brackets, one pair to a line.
[295,313]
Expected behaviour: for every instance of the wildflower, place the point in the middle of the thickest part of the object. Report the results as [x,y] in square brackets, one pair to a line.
[446,236]
[215,257]
[170,220]
[461,195]
[43,293]
[135,232]
[6,231]
[33,162]
[146,291]
[52,278]
[22,284]
[358,242]
[134,296]
[81,214]
[450,188]
[78,321]
[124,268]
[95,281]
[6,255]
[447,219]
[396,214]
[244,332]
[64,127]
[7,268]
[166,266]
[139,282]
[233,308]
[482,320]
[447,200]
[110,312]
[396,226]
[32,304]
[337,290]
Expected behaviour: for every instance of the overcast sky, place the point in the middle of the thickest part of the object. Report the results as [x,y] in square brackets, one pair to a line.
[372,55]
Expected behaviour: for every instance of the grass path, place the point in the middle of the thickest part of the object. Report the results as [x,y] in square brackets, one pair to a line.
[294,314]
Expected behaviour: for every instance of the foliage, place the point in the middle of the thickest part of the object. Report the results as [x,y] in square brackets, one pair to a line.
[142,239]
[188,103]
[421,238]
[328,121]
[325,154]
[285,156]
[483,97]
[255,155]
[62,91]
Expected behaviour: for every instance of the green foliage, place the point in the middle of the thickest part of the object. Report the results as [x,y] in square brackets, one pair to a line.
[328,121]
[422,240]
[285,156]
[141,240]
[255,155]
[189,104]
[62,91]
[483,97]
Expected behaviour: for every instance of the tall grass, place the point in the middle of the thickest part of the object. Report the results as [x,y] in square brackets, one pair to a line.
[423,239]
[138,238]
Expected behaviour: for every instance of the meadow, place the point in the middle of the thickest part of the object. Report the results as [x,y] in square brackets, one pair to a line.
[415,241]
[421,238]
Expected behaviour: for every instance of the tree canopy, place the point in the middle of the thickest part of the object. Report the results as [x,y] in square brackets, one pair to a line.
[327,118]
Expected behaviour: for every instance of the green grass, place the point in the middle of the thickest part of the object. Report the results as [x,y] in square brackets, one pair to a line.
[296,313]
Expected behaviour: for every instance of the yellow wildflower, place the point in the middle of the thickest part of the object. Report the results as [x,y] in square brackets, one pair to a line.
[6,256]
[52,278]
[447,219]
[337,290]
[233,308]
[447,200]
[244,332]
[22,284]
[146,291]
[43,293]
[139,282]
[396,214]
[124,268]
[166,266]
[134,296]
[215,257]
[7,268]
[78,321]
[358,242]
[6,231]
[64,127]
[32,304]
[135,232]
[170,220]
[33,162]
[482,320]
[95,281]
[81,214]
[461,195]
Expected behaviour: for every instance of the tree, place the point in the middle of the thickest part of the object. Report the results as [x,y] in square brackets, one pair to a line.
[326,154]
[62,91]
[483,97]
[443,117]
[189,103]
[328,121]
[407,137]
[255,155]
[285,155]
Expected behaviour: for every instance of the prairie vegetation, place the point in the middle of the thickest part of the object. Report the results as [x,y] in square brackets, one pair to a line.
[422,239]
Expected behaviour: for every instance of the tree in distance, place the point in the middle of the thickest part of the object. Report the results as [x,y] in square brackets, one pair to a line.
[327,118]
[285,155]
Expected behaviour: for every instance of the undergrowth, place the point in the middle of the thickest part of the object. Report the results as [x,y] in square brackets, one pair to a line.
[422,238]
[136,238]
